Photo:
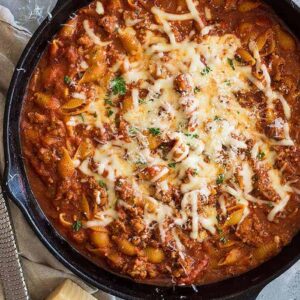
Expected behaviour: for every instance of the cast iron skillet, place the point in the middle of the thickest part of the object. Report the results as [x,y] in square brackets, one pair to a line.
[16,187]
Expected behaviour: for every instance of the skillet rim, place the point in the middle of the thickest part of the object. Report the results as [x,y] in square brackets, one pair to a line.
[15,176]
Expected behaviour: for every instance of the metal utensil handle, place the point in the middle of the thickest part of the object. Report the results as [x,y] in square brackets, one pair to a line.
[11,274]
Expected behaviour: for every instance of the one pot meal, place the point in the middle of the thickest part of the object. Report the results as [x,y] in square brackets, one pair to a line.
[161,138]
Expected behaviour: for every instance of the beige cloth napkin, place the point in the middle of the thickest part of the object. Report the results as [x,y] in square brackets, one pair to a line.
[42,271]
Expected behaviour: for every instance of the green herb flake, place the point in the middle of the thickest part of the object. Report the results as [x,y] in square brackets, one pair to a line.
[102,184]
[238,59]
[132,131]
[82,117]
[67,80]
[227,82]
[77,225]
[197,90]
[172,165]
[223,240]
[220,179]
[142,101]
[217,118]
[109,112]
[154,131]
[219,230]
[205,71]
[261,155]
[140,162]
[118,86]
[107,101]
[195,172]
[192,135]
[231,64]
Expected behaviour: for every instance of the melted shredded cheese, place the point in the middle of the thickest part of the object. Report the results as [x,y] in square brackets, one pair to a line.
[210,132]
[91,34]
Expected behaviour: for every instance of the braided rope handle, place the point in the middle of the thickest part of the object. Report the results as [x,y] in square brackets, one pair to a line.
[11,273]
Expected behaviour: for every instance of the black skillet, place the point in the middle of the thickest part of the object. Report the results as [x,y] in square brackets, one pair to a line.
[16,187]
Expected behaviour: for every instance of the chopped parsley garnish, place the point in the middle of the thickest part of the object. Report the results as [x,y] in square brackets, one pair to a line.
[107,101]
[238,59]
[102,184]
[141,162]
[205,71]
[132,131]
[82,117]
[230,62]
[217,118]
[196,90]
[172,165]
[220,179]
[195,172]
[77,225]
[118,86]
[271,205]
[227,82]
[109,112]
[261,155]
[154,131]
[192,135]
[219,230]
[142,101]
[223,240]
[67,80]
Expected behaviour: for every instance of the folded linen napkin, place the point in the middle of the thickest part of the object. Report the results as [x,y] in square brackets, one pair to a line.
[42,271]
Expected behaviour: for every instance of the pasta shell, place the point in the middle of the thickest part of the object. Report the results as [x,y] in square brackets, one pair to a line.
[75,112]
[132,4]
[155,255]
[93,73]
[46,101]
[231,258]
[126,247]
[228,244]
[72,104]
[98,228]
[234,218]
[266,43]
[127,104]
[285,40]
[53,48]
[265,251]
[84,150]
[154,141]
[69,29]
[65,166]
[100,239]
[97,251]
[248,5]
[129,41]
[246,56]
[63,221]
[98,56]
[115,258]
[85,206]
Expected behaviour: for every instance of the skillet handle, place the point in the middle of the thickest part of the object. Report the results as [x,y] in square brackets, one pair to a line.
[57,6]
